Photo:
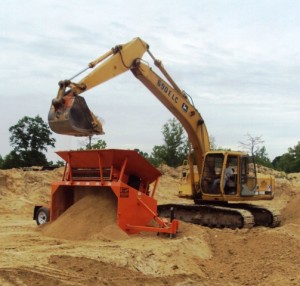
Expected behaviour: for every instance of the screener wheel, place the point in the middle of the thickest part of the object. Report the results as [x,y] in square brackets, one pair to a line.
[42,215]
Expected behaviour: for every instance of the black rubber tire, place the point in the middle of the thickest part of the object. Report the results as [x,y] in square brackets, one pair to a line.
[42,215]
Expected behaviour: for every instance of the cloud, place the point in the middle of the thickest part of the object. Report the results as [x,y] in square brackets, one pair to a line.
[237,59]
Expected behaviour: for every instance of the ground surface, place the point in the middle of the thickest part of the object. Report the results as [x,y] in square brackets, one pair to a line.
[62,254]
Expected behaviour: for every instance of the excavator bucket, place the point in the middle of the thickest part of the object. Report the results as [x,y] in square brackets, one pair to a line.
[72,116]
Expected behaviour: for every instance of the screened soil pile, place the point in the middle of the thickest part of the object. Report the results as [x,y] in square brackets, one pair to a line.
[94,216]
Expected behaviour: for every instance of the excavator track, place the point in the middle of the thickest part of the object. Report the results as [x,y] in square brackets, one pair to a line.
[263,216]
[208,215]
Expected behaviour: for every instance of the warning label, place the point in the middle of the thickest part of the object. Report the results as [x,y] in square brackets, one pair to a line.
[124,193]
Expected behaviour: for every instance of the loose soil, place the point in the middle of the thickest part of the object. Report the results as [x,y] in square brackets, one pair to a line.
[85,247]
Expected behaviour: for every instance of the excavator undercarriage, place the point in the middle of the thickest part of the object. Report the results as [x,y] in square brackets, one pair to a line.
[222,215]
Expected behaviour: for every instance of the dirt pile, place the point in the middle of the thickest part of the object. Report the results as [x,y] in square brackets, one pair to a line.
[21,190]
[291,213]
[92,217]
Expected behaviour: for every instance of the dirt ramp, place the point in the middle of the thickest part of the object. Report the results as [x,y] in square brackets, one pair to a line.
[92,217]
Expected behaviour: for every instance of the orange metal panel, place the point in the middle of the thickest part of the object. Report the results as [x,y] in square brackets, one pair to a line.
[130,211]
[137,165]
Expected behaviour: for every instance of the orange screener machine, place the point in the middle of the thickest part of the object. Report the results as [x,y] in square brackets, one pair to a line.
[128,175]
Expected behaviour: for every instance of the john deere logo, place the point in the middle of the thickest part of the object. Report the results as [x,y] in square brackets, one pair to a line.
[184,107]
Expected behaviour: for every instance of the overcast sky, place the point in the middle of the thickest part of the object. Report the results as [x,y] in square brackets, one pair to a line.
[239,60]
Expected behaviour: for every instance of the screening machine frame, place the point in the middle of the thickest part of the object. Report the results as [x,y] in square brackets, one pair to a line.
[131,177]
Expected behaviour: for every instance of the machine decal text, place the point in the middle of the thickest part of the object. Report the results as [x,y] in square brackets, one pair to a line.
[167,91]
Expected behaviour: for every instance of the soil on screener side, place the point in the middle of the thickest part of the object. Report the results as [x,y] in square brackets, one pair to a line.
[92,217]
[85,247]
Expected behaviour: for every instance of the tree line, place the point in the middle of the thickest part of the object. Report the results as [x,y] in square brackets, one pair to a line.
[31,137]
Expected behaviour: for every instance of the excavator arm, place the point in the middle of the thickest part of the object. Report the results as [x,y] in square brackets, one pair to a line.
[70,115]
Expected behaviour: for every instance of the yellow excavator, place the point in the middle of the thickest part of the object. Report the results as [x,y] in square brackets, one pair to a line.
[219,182]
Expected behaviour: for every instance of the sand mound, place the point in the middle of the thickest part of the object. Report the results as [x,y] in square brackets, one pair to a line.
[169,171]
[291,213]
[92,217]
[21,190]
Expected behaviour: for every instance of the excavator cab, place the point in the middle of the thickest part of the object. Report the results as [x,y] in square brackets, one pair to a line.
[231,176]
[70,115]
[227,173]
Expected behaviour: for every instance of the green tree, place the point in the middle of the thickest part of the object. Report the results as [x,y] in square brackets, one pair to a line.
[261,157]
[175,147]
[283,163]
[12,160]
[31,134]
[99,144]
[144,154]
[59,163]
[157,155]
[288,162]
[29,138]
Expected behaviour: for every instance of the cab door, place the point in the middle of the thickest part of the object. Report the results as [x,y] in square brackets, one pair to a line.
[248,176]
[230,179]
[212,174]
